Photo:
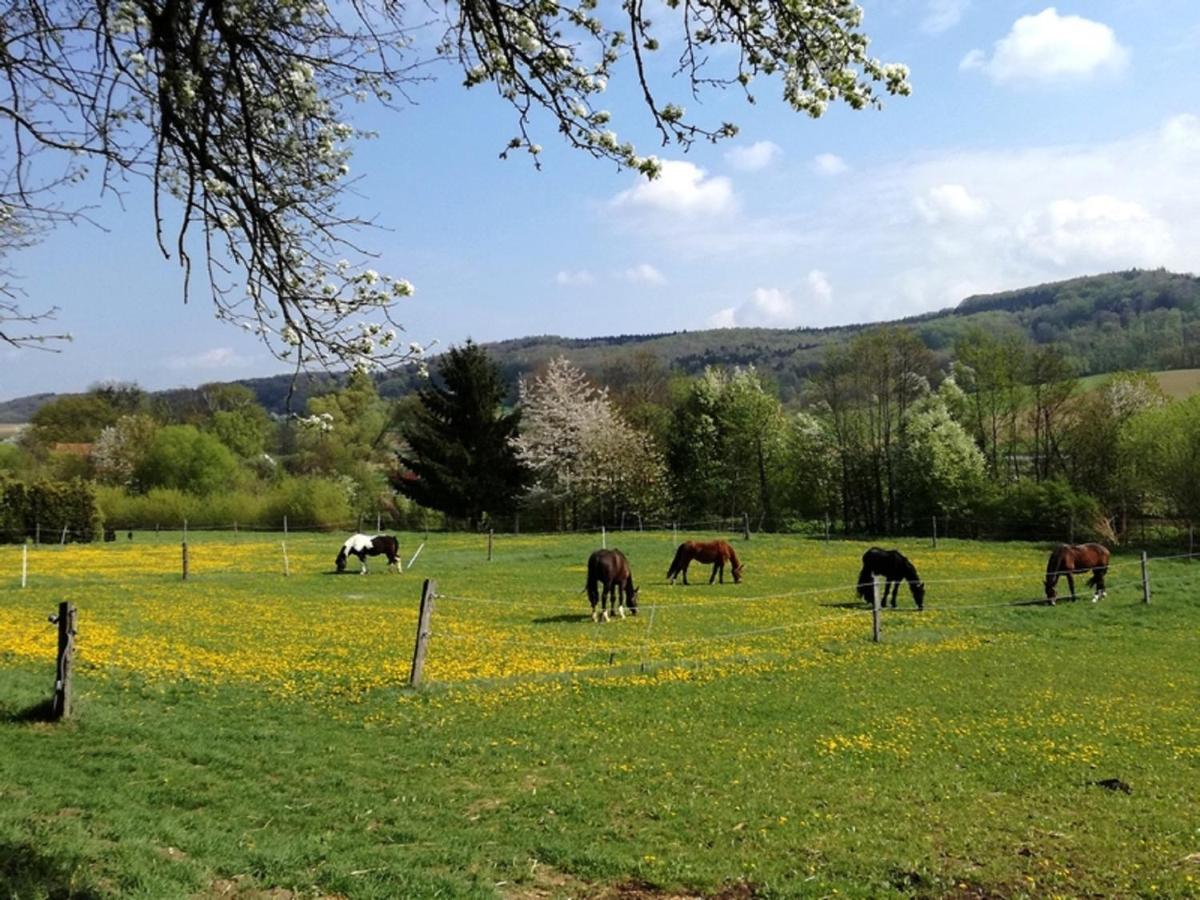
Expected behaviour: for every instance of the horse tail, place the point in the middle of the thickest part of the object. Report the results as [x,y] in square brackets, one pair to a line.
[866,583]
[678,562]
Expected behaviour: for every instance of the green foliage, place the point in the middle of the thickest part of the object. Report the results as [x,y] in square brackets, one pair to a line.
[460,458]
[941,468]
[1039,507]
[728,447]
[49,507]
[71,419]
[185,458]
[308,502]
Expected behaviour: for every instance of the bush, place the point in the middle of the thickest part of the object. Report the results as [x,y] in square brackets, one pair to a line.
[49,507]
[307,502]
[1039,510]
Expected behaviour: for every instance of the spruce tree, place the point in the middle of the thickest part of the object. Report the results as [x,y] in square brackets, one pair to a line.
[459,457]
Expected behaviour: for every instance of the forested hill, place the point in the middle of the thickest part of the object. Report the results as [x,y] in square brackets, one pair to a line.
[1124,320]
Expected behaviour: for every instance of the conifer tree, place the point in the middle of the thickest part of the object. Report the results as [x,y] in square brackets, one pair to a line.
[459,457]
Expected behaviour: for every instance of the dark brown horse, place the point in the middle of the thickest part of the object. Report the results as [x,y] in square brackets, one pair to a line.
[610,569]
[716,552]
[1074,559]
[893,566]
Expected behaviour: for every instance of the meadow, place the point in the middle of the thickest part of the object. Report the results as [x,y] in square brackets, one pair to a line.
[246,734]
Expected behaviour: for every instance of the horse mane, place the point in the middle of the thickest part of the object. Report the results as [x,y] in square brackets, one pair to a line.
[910,571]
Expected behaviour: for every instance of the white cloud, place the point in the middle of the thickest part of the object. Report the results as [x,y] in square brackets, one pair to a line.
[829,164]
[217,358]
[644,273]
[1181,134]
[775,308]
[949,203]
[1048,47]
[683,189]
[1095,231]
[754,157]
[578,278]
[942,15]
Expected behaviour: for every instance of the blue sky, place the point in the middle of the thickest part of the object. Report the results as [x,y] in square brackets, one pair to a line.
[1040,143]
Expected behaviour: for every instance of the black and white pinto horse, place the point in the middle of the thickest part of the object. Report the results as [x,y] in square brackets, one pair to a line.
[893,566]
[364,545]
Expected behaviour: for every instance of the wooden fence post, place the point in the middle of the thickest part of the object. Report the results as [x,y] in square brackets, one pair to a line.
[63,540]
[490,536]
[1145,579]
[378,522]
[37,534]
[285,527]
[874,609]
[603,538]
[935,532]
[286,569]
[418,661]
[1191,542]
[24,561]
[827,528]
[62,670]
[746,526]
[185,561]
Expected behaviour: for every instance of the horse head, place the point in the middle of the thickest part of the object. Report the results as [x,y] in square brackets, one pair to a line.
[737,573]
[631,601]
[918,592]
[340,562]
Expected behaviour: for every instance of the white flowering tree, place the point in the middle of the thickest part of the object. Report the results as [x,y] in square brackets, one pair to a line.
[122,447]
[583,455]
[239,113]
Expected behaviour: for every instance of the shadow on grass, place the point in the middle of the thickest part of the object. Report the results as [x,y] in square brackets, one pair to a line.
[42,711]
[564,617]
[26,871]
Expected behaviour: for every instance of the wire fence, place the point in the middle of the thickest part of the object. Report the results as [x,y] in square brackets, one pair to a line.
[681,628]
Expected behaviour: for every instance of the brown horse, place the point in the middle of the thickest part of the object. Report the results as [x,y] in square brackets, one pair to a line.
[610,569]
[1074,559]
[716,552]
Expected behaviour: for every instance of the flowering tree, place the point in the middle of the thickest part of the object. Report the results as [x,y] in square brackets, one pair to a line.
[582,453]
[238,113]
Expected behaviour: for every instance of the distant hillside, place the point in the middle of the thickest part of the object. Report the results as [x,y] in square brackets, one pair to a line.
[1124,320]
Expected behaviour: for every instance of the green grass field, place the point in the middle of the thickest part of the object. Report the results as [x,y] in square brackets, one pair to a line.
[248,735]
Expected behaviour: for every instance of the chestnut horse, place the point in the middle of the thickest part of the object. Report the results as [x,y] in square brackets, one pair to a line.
[610,569]
[1074,559]
[716,552]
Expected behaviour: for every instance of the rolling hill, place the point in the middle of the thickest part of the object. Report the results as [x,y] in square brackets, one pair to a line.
[1136,319]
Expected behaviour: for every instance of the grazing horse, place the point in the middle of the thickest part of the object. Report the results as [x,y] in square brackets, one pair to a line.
[893,566]
[716,552]
[364,545]
[610,569]
[1074,559]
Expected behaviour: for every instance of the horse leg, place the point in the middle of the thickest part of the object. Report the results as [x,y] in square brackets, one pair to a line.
[713,576]
[621,605]
[685,568]
[606,600]
[894,588]
[1071,585]
[362,563]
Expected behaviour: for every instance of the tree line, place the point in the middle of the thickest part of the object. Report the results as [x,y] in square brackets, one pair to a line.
[886,438]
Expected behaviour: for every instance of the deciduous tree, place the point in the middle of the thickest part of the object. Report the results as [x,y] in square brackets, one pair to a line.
[238,113]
